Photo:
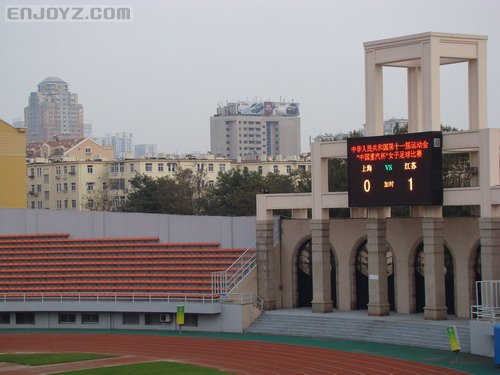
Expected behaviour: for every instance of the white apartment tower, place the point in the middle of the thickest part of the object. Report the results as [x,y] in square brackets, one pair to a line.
[123,143]
[246,129]
[53,112]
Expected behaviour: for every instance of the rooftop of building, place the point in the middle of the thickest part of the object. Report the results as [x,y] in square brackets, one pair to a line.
[52,80]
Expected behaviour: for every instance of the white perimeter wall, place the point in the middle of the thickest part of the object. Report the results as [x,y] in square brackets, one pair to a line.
[229,231]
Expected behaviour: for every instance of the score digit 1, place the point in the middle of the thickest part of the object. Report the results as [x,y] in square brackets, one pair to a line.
[410,183]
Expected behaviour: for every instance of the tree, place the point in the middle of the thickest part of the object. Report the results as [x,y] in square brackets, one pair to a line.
[144,195]
[233,193]
[179,195]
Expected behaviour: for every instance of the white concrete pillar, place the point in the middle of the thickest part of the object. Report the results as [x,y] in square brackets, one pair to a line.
[430,85]
[415,116]
[478,89]
[435,295]
[321,268]
[266,273]
[319,182]
[374,99]
[376,245]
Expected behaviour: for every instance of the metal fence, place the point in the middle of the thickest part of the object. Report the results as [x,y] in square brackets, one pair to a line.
[487,307]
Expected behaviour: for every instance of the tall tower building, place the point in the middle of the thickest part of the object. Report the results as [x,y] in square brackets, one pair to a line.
[53,112]
[246,129]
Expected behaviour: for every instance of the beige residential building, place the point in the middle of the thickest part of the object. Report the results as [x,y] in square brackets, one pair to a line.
[73,183]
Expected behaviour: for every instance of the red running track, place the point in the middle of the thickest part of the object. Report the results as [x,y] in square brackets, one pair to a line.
[237,356]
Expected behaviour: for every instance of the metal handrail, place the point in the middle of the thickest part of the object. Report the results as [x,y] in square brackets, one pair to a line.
[244,298]
[487,307]
[109,297]
[224,281]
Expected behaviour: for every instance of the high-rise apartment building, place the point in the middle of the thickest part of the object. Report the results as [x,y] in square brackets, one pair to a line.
[87,130]
[123,143]
[145,150]
[53,112]
[255,128]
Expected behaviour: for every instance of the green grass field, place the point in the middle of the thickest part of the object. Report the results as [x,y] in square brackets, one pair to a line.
[149,368]
[41,359]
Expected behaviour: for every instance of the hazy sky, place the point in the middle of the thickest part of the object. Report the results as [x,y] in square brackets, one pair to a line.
[162,75]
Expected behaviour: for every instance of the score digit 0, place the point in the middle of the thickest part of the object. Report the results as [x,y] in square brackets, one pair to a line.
[366,186]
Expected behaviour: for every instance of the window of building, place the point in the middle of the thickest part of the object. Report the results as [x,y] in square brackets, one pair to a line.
[32,204]
[90,318]
[46,195]
[39,171]
[58,170]
[160,167]
[171,167]
[4,318]
[90,186]
[117,184]
[58,204]
[65,203]
[288,169]
[200,167]
[210,183]
[118,201]
[222,167]
[45,178]
[88,150]
[73,203]
[58,186]
[66,318]
[259,169]
[25,318]
[65,169]
[39,205]
[152,319]
[130,318]
[276,169]
[90,169]
[210,167]
[191,320]
[72,169]
[132,167]
[73,186]
[149,167]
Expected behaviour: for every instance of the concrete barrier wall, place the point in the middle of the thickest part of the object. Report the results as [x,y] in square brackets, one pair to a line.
[229,231]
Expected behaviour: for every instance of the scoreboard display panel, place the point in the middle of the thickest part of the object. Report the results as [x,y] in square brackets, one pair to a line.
[395,170]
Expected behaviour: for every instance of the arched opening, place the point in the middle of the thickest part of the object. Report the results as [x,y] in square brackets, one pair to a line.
[449,277]
[305,272]
[477,275]
[361,266]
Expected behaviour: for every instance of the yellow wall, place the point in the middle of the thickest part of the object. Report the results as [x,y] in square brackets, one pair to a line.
[12,166]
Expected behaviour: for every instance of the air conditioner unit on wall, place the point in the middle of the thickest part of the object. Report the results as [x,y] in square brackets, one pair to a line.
[165,318]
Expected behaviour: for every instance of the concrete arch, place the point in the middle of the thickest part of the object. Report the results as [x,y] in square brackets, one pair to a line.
[294,266]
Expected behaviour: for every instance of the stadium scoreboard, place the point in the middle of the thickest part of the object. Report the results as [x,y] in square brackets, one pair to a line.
[395,170]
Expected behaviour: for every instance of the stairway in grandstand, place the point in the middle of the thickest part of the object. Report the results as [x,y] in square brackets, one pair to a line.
[53,264]
[399,329]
